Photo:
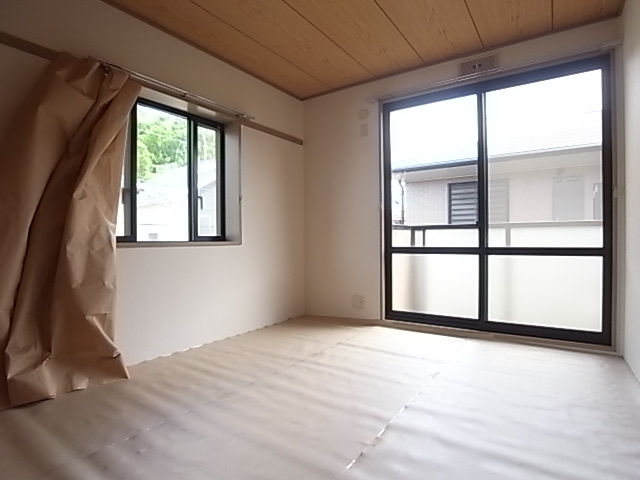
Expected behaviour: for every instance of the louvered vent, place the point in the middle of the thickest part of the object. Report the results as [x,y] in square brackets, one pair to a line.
[463,203]
[478,65]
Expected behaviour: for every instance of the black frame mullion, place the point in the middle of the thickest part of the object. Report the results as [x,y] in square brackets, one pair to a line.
[221,185]
[607,199]
[387,211]
[483,211]
[134,173]
[192,169]
[484,250]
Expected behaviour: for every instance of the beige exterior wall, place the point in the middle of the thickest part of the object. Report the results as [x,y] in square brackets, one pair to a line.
[531,197]
[426,202]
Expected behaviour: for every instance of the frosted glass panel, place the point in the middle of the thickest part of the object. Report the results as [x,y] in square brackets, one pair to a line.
[436,284]
[560,292]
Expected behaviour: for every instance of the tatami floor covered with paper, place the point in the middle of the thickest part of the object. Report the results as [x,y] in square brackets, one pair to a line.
[310,399]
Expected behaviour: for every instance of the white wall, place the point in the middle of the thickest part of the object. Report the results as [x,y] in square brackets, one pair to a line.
[631,20]
[92,28]
[342,175]
[175,298]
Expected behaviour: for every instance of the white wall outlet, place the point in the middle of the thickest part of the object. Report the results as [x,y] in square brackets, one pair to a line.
[358,302]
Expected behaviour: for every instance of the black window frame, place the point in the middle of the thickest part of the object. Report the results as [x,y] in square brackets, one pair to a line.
[130,188]
[601,62]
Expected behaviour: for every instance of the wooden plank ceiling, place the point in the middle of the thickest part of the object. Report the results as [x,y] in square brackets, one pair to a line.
[310,47]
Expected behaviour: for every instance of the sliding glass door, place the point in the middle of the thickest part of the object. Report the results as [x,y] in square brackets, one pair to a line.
[498,205]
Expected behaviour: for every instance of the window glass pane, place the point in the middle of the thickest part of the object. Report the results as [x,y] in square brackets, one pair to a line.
[434,150]
[162,176]
[560,292]
[437,133]
[121,220]
[545,163]
[208,182]
[436,284]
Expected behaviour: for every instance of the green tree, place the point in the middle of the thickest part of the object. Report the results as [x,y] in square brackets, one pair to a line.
[146,168]
[162,142]
[206,144]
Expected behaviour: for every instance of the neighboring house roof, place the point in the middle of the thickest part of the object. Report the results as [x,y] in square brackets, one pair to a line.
[165,186]
[556,133]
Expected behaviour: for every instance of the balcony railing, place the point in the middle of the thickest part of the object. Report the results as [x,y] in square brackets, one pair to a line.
[583,233]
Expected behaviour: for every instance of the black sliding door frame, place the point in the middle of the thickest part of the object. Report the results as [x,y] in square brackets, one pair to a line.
[483,251]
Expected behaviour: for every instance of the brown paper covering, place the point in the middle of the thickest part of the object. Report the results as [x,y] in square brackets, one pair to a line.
[328,399]
[60,167]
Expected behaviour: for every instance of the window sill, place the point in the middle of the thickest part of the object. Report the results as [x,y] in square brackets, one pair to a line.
[225,243]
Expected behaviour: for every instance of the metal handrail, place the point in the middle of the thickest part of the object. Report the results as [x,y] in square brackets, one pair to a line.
[507,226]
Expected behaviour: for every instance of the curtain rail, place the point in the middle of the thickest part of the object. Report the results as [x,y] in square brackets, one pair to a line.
[154,84]
[176,92]
[27,47]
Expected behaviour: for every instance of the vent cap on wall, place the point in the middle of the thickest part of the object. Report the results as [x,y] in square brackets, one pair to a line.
[479,65]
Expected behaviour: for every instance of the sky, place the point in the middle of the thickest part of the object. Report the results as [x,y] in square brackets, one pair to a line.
[550,114]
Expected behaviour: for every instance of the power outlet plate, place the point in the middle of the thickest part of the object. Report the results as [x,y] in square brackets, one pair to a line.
[357,301]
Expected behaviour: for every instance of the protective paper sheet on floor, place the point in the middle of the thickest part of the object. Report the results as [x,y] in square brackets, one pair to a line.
[312,399]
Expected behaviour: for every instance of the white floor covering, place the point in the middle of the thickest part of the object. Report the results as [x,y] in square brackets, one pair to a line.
[312,399]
